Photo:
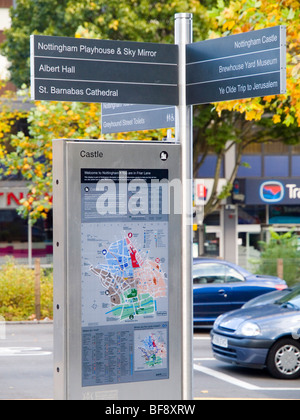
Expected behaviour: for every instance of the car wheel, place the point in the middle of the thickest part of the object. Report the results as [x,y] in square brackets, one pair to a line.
[284,359]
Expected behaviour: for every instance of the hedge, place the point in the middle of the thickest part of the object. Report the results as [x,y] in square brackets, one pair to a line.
[17,292]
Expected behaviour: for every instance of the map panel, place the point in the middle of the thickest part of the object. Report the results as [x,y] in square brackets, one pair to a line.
[122,281]
[124,273]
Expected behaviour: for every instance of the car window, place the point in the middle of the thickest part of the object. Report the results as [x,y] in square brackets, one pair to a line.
[293,298]
[233,276]
[210,273]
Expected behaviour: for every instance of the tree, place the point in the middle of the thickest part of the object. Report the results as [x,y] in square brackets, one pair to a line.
[284,247]
[29,17]
[28,151]
[258,120]
[246,15]
[217,132]
[216,127]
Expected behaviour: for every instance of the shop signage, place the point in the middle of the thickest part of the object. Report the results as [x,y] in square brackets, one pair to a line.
[203,189]
[277,191]
[10,197]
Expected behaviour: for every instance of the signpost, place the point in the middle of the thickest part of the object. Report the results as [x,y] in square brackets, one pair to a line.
[117,271]
[239,66]
[246,65]
[84,70]
[133,338]
[120,118]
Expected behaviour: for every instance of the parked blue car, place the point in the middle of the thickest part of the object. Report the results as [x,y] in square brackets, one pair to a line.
[262,336]
[220,286]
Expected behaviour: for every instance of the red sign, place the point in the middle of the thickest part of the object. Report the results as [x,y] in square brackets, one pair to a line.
[201,191]
[10,198]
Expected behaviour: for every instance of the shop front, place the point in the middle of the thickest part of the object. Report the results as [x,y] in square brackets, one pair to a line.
[18,239]
[264,203]
[257,204]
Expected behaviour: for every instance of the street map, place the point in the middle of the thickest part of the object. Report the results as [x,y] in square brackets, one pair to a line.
[132,282]
[123,281]
[124,284]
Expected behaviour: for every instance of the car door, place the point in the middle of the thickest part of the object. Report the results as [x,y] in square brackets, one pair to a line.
[240,291]
[211,292]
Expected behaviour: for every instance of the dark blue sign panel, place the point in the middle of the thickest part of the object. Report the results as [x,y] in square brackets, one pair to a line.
[84,70]
[246,65]
[274,191]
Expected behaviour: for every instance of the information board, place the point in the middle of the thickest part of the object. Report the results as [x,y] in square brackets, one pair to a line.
[117,294]
[86,70]
[246,65]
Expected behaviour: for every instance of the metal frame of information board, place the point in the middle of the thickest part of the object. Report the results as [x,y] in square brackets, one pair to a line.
[98,353]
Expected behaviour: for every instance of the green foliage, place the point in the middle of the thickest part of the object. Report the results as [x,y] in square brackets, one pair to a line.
[30,153]
[29,17]
[281,246]
[17,300]
[247,15]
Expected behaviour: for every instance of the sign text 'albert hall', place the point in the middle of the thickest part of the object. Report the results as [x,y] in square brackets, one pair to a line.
[86,70]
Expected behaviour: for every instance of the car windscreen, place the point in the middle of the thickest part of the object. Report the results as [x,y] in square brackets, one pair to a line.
[214,273]
[292,299]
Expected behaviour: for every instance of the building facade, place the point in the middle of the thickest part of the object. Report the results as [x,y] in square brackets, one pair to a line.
[18,239]
[266,193]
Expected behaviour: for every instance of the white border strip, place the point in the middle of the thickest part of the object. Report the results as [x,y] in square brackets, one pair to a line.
[237,382]
[233,78]
[231,56]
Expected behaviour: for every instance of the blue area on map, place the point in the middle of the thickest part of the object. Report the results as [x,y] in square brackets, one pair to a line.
[118,260]
[148,342]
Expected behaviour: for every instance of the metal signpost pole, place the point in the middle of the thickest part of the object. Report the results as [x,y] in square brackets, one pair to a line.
[183,36]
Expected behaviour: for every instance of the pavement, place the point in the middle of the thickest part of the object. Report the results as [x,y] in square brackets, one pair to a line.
[26,360]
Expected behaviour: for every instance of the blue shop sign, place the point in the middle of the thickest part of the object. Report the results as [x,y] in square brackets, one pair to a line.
[275,191]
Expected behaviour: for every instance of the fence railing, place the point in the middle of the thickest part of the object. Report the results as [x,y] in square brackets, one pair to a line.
[287,269]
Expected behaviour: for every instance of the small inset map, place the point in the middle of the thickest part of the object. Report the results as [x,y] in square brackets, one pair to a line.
[150,349]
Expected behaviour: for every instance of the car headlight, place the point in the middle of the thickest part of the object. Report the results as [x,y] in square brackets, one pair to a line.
[249,329]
